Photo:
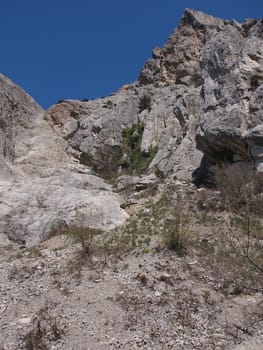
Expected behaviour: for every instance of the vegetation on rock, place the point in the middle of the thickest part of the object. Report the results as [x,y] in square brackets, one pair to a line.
[145,103]
[134,159]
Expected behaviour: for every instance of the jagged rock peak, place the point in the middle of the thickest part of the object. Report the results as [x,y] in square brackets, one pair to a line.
[178,60]
[199,19]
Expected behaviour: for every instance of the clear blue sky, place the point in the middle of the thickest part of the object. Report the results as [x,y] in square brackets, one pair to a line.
[59,49]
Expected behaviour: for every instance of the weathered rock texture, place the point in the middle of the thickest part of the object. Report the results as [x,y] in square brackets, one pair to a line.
[230,124]
[204,90]
[41,188]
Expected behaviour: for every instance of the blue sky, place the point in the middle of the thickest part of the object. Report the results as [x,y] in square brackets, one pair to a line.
[58,49]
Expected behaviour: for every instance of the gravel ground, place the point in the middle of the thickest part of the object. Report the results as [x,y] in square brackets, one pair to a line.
[144,300]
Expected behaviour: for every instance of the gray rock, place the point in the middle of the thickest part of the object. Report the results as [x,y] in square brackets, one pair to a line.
[41,187]
[170,123]
[146,182]
[173,81]
[205,87]
[41,205]
[230,123]
[126,181]
[178,61]
[206,91]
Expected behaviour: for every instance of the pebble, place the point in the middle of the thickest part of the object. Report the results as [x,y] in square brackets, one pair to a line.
[24,320]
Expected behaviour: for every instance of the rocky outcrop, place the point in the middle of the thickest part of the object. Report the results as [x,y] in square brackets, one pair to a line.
[178,61]
[169,125]
[197,101]
[41,188]
[94,128]
[226,59]
[230,122]
[205,88]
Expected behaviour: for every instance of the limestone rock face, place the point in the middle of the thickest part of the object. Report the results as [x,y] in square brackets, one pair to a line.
[169,125]
[230,123]
[173,81]
[198,100]
[178,60]
[28,144]
[41,188]
[205,88]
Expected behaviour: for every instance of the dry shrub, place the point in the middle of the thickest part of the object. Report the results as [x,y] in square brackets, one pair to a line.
[243,236]
[176,232]
[45,329]
[239,253]
[84,236]
[87,240]
[240,192]
[96,248]
[105,161]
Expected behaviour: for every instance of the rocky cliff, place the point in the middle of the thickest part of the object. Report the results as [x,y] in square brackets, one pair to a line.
[205,93]
[198,100]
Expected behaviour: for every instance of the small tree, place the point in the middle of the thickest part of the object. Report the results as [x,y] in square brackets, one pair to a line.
[241,196]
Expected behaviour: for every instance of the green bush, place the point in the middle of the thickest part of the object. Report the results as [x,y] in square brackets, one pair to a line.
[253,109]
[128,156]
[255,81]
[176,233]
[108,104]
[145,102]
[134,159]
[132,137]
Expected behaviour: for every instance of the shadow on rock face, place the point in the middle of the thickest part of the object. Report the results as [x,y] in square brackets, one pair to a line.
[204,174]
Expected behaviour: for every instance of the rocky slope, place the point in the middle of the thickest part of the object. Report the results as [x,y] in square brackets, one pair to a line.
[131,292]
[197,101]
